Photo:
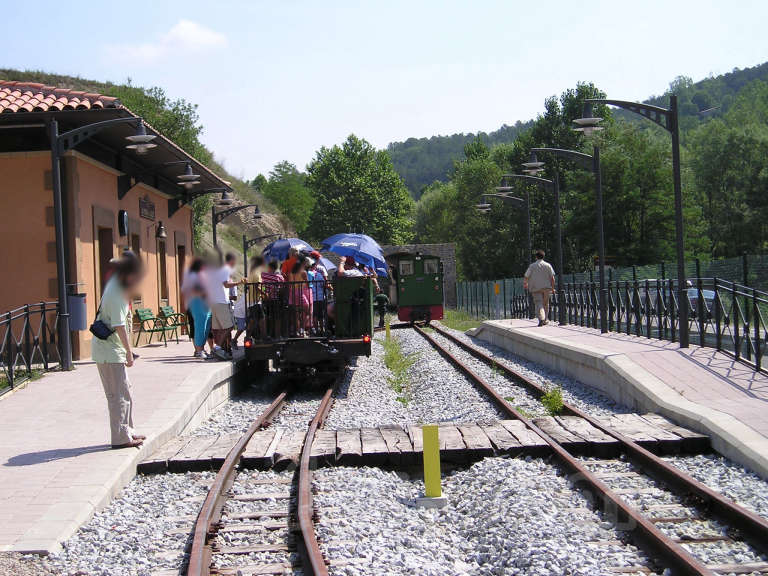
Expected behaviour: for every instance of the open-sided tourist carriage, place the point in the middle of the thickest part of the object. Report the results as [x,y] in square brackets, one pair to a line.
[302,340]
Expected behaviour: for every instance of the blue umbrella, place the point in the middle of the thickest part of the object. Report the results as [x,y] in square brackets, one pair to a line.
[330,266]
[279,249]
[362,248]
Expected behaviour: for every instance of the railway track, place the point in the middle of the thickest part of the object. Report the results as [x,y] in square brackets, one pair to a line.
[213,521]
[683,500]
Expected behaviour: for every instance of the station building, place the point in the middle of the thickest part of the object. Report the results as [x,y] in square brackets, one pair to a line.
[115,195]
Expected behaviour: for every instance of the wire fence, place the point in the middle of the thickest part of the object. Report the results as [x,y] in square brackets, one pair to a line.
[727,303]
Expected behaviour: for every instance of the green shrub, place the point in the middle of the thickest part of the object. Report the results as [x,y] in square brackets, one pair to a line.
[553,401]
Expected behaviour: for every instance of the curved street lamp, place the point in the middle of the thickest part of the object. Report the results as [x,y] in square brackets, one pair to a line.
[252,242]
[217,217]
[667,118]
[591,163]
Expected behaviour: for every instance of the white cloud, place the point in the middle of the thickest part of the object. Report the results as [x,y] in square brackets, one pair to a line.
[184,38]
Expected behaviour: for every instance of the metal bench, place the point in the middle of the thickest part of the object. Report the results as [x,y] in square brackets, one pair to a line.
[150,324]
[174,321]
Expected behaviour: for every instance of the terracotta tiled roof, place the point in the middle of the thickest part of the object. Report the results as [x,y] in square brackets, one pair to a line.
[34,97]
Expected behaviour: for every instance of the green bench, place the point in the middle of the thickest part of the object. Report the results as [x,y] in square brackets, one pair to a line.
[150,324]
[174,321]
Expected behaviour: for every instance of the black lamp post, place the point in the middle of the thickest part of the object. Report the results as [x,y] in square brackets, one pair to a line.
[591,163]
[667,119]
[554,186]
[141,143]
[252,242]
[217,217]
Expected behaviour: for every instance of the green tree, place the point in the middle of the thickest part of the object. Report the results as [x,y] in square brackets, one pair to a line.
[357,189]
[727,161]
[287,190]
[435,214]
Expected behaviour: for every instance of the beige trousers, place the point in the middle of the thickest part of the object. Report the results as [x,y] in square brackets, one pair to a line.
[117,388]
[541,303]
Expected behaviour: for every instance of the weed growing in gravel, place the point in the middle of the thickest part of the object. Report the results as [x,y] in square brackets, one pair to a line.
[398,364]
[520,409]
[553,401]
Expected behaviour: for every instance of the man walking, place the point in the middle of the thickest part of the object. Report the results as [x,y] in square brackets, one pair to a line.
[539,280]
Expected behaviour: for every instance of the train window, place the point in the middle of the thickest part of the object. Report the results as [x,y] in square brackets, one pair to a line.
[431,266]
[406,267]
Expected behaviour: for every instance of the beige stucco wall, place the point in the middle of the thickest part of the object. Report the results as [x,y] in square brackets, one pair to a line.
[27,236]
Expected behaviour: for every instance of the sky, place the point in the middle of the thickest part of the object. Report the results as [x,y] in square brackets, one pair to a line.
[277,80]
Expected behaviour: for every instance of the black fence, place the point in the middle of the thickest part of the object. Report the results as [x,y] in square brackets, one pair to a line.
[278,310]
[724,313]
[29,342]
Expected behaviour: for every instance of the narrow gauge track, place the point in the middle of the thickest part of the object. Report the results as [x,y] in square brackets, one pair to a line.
[209,518]
[744,524]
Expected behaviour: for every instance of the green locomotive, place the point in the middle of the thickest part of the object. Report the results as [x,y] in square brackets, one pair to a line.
[417,287]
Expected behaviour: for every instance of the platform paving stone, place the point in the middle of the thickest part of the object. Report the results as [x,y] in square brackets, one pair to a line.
[699,388]
[393,446]
[56,465]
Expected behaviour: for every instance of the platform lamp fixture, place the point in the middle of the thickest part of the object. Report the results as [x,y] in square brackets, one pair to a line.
[217,217]
[174,204]
[140,142]
[667,118]
[247,243]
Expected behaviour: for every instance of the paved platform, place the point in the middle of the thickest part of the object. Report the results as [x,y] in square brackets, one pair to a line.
[700,388]
[56,465]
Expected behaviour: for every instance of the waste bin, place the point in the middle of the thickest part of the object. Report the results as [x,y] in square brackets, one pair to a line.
[78,312]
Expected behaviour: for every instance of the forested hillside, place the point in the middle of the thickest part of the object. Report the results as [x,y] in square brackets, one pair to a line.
[421,161]
[724,173]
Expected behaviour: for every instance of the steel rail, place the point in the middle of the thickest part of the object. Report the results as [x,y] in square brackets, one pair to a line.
[674,556]
[754,528]
[201,552]
[314,563]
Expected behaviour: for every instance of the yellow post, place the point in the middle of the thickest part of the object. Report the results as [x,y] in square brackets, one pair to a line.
[431,443]
[386,329]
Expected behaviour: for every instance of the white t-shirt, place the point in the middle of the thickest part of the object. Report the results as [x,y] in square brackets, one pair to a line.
[539,275]
[215,279]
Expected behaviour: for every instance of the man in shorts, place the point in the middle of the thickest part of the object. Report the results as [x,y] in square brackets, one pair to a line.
[219,282]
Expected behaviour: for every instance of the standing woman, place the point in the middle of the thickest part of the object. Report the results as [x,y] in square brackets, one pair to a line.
[112,353]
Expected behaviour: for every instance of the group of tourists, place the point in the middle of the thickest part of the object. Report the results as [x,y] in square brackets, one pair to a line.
[294,298]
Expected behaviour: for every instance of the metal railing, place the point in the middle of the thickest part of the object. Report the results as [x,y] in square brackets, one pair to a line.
[29,342]
[723,314]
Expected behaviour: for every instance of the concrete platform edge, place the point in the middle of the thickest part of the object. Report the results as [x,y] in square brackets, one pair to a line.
[626,382]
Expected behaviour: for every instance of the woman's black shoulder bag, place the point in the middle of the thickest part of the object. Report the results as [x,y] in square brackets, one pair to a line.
[99,328]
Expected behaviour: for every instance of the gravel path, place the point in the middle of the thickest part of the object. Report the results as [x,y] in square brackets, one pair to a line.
[299,410]
[439,393]
[580,395]
[250,484]
[654,501]
[517,395]
[505,516]
[365,397]
[142,531]
[730,479]
[235,415]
